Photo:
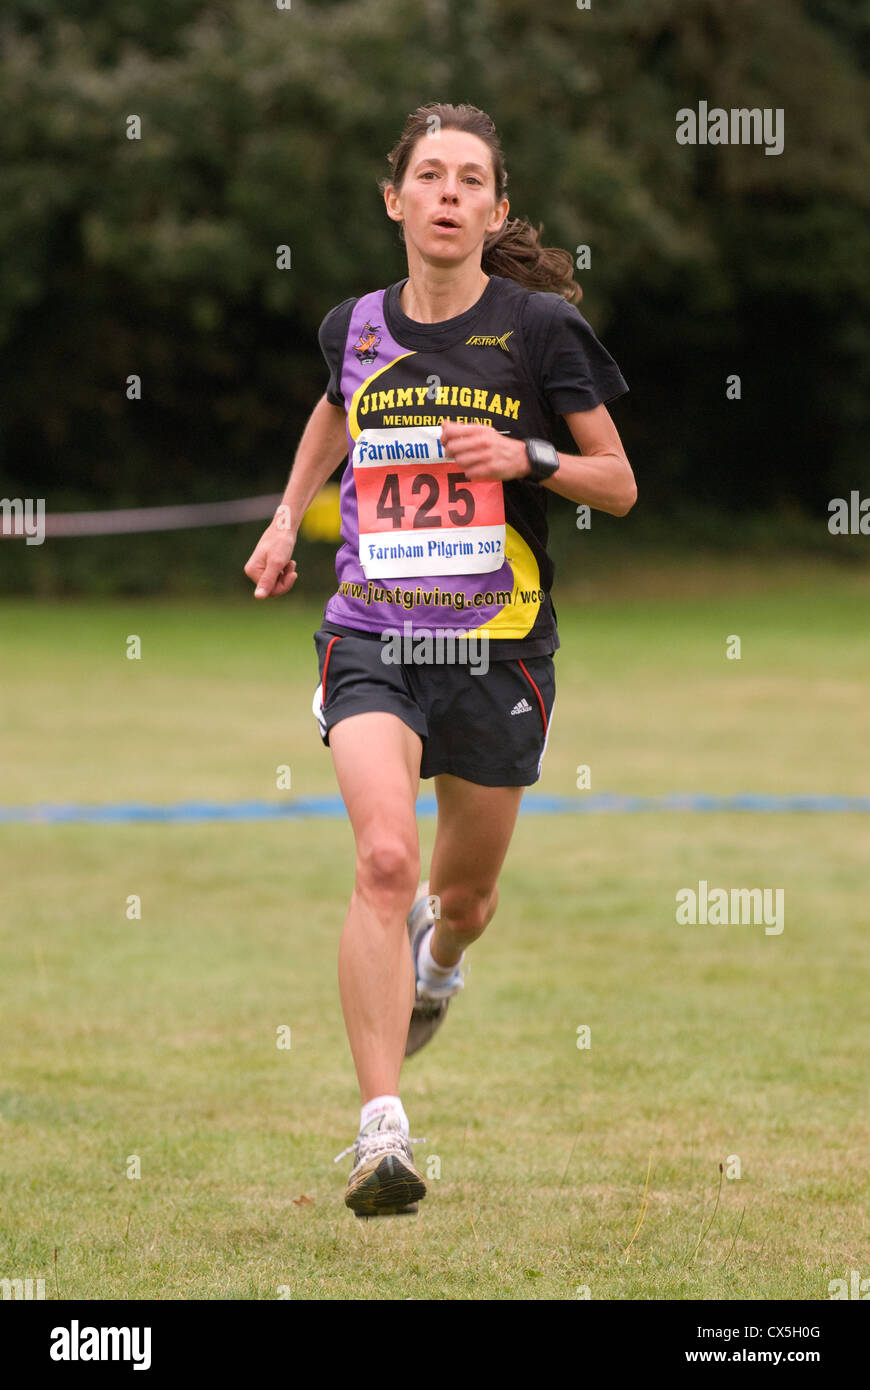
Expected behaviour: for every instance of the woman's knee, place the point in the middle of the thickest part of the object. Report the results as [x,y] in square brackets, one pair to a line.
[388,864]
[467,910]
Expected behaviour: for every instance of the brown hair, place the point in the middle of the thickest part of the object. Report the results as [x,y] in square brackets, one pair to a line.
[515,251]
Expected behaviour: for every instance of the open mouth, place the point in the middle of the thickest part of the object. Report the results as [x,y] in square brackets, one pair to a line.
[447,222]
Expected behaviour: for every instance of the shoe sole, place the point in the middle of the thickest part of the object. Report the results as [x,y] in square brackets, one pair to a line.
[423,1021]
[422,1025]
[389,1189]
[375,1216]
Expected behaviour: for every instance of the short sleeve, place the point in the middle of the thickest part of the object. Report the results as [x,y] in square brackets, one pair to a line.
[573,369]
[332,336]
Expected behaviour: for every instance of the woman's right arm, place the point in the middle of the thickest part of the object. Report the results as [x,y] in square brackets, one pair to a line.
[321,449]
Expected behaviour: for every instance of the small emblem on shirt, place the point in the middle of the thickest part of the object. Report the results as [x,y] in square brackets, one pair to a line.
[489,340]
[522,707]
[366,345]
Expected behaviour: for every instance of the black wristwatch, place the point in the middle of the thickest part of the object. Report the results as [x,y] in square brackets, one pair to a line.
[543,459]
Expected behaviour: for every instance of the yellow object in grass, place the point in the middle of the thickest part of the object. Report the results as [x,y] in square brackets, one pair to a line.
[322,521]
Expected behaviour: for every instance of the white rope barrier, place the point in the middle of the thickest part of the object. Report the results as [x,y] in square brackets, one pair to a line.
[137,520]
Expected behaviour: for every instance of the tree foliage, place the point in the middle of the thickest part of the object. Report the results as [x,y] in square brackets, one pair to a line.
[264,127]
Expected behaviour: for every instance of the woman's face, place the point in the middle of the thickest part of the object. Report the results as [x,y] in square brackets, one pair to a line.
[449,177]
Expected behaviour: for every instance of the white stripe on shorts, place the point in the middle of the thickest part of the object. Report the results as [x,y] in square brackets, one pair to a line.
[546,737]
[317,708]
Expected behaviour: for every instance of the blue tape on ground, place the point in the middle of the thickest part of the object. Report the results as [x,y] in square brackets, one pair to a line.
[45,813]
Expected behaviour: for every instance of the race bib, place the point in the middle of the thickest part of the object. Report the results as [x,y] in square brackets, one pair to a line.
[418,512]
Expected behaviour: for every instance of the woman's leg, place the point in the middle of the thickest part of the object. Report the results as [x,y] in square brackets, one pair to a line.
[377,763]
[475,825]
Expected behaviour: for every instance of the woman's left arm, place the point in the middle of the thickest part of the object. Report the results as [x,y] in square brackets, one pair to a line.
[602,477]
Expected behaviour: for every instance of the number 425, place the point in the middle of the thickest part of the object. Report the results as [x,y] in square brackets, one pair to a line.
[390,505]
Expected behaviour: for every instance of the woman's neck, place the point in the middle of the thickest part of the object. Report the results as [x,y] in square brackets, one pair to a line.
[432,294]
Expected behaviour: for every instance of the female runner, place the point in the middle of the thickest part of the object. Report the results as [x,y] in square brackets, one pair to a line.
[447,391]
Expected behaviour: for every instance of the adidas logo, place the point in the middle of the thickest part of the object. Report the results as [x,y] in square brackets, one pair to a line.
[522,707]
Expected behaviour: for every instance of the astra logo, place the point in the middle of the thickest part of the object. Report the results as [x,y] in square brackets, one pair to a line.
[489,340]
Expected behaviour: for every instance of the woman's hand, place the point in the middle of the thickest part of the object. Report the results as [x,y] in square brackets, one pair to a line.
[270,565]
[483,452]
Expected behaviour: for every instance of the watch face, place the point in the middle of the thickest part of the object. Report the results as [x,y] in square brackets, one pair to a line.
[542,455]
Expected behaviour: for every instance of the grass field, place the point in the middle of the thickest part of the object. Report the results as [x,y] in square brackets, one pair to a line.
[563,1171]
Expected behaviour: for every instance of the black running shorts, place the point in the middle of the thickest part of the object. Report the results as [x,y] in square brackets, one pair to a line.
[490,728]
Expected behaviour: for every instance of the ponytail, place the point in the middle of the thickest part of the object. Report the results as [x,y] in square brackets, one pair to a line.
[516,253]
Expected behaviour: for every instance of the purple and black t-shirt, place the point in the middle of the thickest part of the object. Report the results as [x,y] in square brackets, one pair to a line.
[423,547]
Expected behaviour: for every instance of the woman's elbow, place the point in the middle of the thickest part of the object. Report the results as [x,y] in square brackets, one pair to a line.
[627,494]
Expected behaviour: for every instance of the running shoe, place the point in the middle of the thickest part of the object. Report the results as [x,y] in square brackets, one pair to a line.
[383,1180]
[430,1003]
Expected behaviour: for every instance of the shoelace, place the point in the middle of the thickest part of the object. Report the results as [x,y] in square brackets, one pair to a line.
[381,1142]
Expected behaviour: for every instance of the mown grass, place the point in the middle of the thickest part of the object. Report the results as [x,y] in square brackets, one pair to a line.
[156,1038]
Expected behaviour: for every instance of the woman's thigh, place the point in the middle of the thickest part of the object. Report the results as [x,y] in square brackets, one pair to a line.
[475,826]
[377,764]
